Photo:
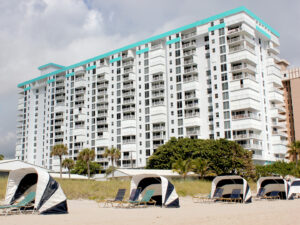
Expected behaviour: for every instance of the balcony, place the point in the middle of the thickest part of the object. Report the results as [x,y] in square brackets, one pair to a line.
[158,128]
[158,94]
[159,137]
[246,136]
[103,77]
[128,64]
[246,116]
[243,76]
[189,35]
[237,48]
[102,85]
[157,87]
[279,133]
[157,77]
[79,70]
[239,39]
[128,86]
[193,131]
[189,45]
[189,53]
[190,70]
[128,101]
[129,109]
[128,93]
[100,107]
[101,122]
[243,67]
[129,77]
[252,146]
[189,62]
[192,115]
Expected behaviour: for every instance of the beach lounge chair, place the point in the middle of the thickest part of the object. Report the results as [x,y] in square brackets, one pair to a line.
[22,206]
[118,199]
[135,193]
[145,200]
[273,195]
[234,197]
[218,195]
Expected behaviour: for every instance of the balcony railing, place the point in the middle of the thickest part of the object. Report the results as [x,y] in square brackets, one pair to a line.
[246,136]
[246,116]
[186,36]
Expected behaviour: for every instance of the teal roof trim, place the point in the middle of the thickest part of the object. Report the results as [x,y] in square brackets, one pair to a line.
[50,64]
[142,51]
[26,89]
[261,21]
[263,32]
[50,81]
[219,26]
[115,59]
[90,68]
[173,41]
[70,74]
[198,23]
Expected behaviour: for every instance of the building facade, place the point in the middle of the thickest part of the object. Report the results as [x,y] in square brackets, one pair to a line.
[215,78]
[291,83]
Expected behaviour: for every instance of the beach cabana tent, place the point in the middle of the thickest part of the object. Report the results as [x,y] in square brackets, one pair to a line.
[164,191]
[49,197]
[228,183]
[273,184]
[294,188]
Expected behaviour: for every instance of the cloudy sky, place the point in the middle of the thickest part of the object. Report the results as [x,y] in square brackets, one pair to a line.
[35,32]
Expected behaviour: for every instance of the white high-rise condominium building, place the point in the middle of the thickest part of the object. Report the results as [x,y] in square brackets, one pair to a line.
[215,78]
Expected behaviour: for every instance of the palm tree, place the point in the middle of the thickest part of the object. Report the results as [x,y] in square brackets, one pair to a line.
[69,164]
[182,167]
[294,151]
[1,157]
[59,150]
[201,167]
[114,154]
[87,155]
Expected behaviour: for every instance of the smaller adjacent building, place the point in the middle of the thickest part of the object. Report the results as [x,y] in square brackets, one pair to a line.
[290,81]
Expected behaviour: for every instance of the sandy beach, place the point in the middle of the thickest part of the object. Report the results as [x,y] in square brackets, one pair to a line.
[85,212]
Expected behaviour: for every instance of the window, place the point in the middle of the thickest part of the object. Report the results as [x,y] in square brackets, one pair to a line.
[224,76]
[225,95]
[177,61]
[206,47]
[206,38]
[178,70]
[180,131]
[177,53]
[221,31]
[223,67]
[177,45]
[224,86]
[222,49]
[227,124]
[227,134]
[223,58]
[222,40]
[226,115]
[225,105]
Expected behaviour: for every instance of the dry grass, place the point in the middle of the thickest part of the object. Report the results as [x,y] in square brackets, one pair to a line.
[97,190]
[191,187]
[90,189]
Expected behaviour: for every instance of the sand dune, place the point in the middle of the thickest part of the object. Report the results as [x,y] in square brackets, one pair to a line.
[84,212]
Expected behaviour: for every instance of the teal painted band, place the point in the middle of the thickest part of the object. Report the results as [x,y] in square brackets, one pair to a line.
[115,59]
[261,21]
[70,74]
[142,51]
[90,68]
[219,26]
[198,23]
[50,81]
[50,64]
[263,32]
[26,89]
[173,41]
